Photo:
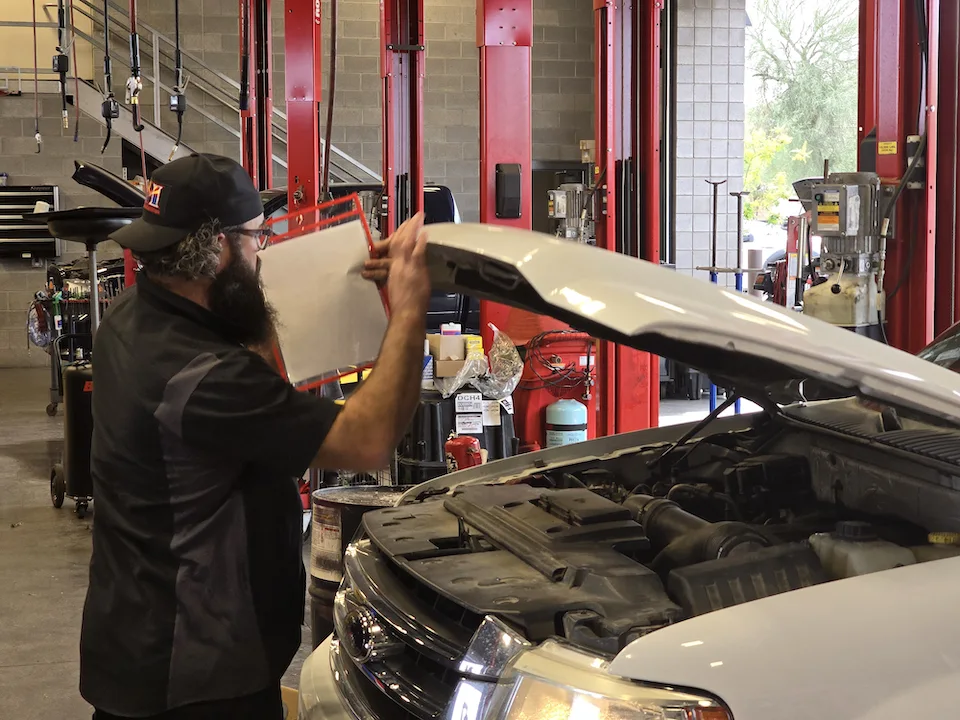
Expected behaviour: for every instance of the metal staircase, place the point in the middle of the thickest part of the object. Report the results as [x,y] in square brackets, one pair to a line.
[212,94]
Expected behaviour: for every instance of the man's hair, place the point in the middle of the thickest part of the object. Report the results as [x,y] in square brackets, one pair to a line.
[196,256]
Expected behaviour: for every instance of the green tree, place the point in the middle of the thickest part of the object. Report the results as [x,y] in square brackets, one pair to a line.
[804,55]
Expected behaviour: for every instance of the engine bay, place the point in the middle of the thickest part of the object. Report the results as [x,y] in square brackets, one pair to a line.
[607,550]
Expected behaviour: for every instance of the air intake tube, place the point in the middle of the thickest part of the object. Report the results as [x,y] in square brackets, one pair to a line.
[684,539]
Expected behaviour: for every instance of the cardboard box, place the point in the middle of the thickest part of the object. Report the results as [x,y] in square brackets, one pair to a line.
[447,368]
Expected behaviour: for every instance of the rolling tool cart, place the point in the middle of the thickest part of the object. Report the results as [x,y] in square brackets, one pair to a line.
[71,477]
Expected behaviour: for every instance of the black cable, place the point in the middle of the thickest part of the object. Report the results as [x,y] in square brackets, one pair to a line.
[36,80]
[61,60]
[325,180]
[106,110]
[76,80]
[135,84]
[179,99]
[726,404]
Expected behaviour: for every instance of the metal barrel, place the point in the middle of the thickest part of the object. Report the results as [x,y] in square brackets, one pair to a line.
[337,513]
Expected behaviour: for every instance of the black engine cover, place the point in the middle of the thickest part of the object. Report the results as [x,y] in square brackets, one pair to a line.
[552,562]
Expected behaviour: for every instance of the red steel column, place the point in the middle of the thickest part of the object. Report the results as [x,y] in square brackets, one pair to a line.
[628,174]
[505,39]
[910,253]
[402,69]
[302,31]
[646,106]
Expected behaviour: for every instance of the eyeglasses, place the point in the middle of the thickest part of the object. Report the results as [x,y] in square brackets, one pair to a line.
[262,234]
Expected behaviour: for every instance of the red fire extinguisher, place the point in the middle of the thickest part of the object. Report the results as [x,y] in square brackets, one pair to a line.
[462,452]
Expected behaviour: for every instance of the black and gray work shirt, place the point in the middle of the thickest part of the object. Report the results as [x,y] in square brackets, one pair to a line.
[196,581]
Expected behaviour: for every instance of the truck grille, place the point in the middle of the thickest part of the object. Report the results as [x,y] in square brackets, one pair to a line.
[399,644]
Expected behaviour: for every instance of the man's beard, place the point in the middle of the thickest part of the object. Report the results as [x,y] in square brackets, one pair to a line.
[237,297]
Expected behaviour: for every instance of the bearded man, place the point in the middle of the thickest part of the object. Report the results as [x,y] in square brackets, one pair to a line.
[197,585]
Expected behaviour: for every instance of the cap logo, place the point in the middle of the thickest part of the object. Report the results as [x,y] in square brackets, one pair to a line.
[152,202]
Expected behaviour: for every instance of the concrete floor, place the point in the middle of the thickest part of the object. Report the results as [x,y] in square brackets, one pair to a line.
[44,556]
[44,559]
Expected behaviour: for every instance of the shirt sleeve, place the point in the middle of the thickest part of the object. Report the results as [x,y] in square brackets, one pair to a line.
[240,406]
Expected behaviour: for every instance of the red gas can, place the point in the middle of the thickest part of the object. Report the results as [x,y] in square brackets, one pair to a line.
[462,452]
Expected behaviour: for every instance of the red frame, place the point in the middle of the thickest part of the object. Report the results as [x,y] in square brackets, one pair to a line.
[402,70]
[352,209]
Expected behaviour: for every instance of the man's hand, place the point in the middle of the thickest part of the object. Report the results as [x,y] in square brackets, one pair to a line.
[408,284]
[377,268]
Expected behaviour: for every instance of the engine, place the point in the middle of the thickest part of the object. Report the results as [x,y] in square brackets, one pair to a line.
[608,551]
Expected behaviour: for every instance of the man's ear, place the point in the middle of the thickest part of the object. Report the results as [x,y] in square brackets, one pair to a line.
[225,252]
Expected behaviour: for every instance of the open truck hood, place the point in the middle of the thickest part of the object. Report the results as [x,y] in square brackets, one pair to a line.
[738,340]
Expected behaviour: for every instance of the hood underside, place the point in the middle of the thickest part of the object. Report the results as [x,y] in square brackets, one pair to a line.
[738,340]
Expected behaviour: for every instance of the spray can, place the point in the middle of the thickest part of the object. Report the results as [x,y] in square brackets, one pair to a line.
[462,452]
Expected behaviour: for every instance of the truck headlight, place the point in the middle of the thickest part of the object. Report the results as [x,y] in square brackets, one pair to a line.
[557,682]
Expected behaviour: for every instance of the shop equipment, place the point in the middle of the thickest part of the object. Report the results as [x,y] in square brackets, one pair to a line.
[71,477]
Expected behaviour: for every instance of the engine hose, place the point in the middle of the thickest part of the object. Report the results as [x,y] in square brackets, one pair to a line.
[180,86]
[325,182]
[685,539]
[108,98]
[76,81]
[36,80]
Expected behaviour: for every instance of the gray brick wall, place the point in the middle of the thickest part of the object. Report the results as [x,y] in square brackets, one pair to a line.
[710,132]
[54,165]
[562,81]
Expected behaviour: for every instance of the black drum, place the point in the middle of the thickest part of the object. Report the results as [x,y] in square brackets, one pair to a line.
[77,429]
[337,513]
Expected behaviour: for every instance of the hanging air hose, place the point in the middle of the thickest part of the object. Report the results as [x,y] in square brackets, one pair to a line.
[134,82]
[61,61]
[36,80]
[135,86]
[178,101]
[110,109]
[325,180]
[76,81]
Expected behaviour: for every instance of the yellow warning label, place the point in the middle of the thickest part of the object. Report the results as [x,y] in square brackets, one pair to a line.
[887,148]
[832,208]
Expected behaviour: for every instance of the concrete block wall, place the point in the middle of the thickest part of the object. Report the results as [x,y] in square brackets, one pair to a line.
[710,128]
[562,81]
[53,166]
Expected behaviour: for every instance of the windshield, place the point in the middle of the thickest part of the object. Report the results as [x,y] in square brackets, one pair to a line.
[945,350]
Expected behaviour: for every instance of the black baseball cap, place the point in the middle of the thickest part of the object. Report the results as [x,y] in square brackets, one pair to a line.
[186,193]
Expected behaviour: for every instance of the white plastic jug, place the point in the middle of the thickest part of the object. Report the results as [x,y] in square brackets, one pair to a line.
[853,549]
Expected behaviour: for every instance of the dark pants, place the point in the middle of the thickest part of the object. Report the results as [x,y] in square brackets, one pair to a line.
[264,705]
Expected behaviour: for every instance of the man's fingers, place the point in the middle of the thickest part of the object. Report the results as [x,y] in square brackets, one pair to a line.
[381,247]
[420,248]
[377,264]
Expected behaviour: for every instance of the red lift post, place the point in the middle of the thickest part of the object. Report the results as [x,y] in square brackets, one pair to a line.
[627,47]
[302,34]
[402,68]
[256,91]
[890,97]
